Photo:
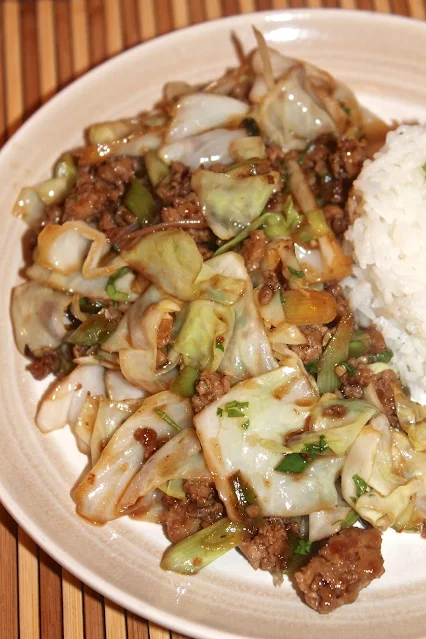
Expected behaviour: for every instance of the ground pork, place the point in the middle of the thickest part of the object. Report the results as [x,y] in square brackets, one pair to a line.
[269,549]
[331,165]
[57,362]
[181,203]
[383,385]
[336,218]
[312,350]
[209,387]
[377,342]
[99,190]
[150,441]
[342,304]
[353,385]
[200,508]
[346,564]
[270,285]
[254,249]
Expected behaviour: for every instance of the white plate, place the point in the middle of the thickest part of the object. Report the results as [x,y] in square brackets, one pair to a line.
[384,60]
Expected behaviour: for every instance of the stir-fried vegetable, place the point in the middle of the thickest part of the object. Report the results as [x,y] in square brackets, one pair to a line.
[307,306]
[336,352]
[230,202]
[192,554]
[170,259]
[95,330]
[201,386]
[184,383]
[140,202]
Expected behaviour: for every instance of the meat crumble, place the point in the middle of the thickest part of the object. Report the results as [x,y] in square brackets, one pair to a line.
[347,563]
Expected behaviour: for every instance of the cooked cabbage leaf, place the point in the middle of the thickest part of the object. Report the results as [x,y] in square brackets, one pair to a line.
[180,458]
[98,494]
[38,315]
[231,202]
[249,352]
[238,433]
[169,259]
[205,334]
[110,415]
[63,403]
[200,112]
[205,148]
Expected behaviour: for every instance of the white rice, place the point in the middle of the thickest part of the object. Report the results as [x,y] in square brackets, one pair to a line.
[388,286]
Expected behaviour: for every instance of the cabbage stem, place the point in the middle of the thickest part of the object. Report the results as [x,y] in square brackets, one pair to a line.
[192,554]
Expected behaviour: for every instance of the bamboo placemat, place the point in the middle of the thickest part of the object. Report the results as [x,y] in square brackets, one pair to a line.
[44,44]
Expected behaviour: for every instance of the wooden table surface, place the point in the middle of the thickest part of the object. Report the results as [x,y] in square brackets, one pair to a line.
[44,45]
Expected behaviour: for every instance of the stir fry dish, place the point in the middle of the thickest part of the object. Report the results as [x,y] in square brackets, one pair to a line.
[193,288]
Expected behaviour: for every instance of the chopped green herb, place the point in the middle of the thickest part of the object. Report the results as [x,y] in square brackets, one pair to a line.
[361,485]
[295,272]
[235,404]
[384,357]
[293,463]
[235,412]
[246,424]
[166,418]
[303,547]
[219,412]
[112,292]
[350,519]
[313,450]
[297,462]
[424,167]
[219,345]
[345,108]
[282,298]
[348,367]
[312,367]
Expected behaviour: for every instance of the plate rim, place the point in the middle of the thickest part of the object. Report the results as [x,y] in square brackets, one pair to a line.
[56,550]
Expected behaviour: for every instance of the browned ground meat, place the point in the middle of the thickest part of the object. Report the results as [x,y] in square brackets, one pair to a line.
[331,165]
[150,440]
[209,387]
[47,363]
[270,285]
[164,333]
[346,564]
[269,549]
[181,203]
[377,341]
[57,361]
[312,350]
[164,337]
[201,508]
[342,303]
[98,192]
[353,385]
[178,186]
[336,218]
[383,385]
[254,249]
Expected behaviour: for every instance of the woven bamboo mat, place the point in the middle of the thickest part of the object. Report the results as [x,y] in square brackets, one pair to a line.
[44,44]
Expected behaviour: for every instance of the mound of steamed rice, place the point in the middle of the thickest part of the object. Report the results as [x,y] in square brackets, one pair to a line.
[388,286]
